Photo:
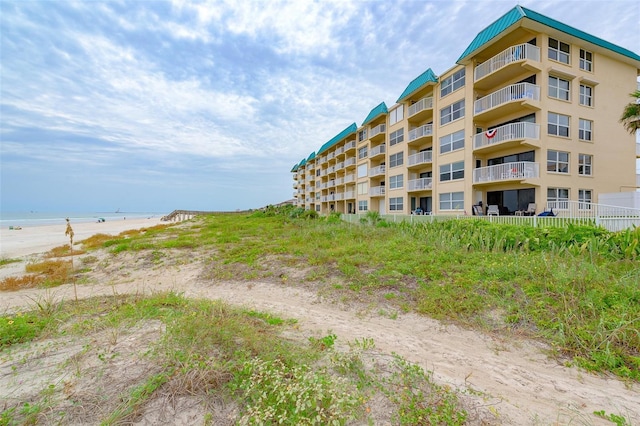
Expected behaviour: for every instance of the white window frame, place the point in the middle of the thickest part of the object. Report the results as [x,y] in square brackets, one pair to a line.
[586,60]
[586,95]
[362,135]
[585,164]
[558,164]
[396,137]
[452,142]
[452,112]
[554,121]
[559,196]
[585,198]
[396,115]
[452,171]
[556,53]
[396,204]
[363,188]
[452,83]
[362,170]
[363,205]
[363,152]
[396,182]
[556,89]
[585,130]
[452,201]
[396,159]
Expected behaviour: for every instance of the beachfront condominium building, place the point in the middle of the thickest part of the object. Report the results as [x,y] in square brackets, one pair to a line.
[529,114]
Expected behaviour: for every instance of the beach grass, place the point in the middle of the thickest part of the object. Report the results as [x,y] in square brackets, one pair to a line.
[577,288]
[216,353]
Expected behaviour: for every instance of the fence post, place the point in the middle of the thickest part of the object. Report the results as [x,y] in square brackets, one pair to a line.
[535,221]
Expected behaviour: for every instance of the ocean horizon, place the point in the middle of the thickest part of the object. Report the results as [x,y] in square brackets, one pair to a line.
[34,218]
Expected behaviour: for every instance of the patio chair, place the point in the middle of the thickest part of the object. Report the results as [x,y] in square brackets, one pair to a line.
[493,210]
[530,211]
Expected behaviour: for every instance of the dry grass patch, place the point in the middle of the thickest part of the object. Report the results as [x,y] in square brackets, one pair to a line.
[54,272]
[96,241]
[62,251]
[19,283]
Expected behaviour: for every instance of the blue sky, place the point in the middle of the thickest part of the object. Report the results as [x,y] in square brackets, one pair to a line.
[159,105]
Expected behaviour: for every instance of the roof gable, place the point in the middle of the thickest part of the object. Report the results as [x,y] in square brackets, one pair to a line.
[337,138]
[518,13]
[375,113]
[426,77]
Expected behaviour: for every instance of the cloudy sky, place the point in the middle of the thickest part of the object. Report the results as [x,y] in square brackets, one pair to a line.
[158,105]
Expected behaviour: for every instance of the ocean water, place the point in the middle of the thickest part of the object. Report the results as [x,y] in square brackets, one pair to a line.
[25,219]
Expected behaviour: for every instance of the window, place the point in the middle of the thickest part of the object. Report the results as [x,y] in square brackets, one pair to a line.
[586,95]
[452,83]
[559,88]
[584,199]
[317,172]
[452,142]
[558,198]
[585,130]
[395,182]
[452,171]
[396,137]
[559,51]
[585,164]
[396,204]
[362,170]
[396,115]
[363,206]
[557,161]
[317,208]
[362,153]
[452,201]
[586,60]
[396,159]
[452,112]
[362,135]
[558,124]
[363,188]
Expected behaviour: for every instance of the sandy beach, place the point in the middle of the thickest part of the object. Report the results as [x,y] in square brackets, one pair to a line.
[38,239]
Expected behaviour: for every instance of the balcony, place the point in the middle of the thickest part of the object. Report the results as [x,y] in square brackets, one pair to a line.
[422,184]
[376,191]
[424,157]
[507,65]
[324,185]
[508,136]
[376,171]
[331,156]
[340,165]
[350,162]
[419,134]
[349,178]
[377,150]
[637,150]
[421,110]
[507,100]
[518,171]
[349,195]
[295,185]
[349,146]
[339,181]
[377,132]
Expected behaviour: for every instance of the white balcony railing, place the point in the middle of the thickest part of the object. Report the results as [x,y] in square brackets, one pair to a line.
[349,194]
[339,181]
[349,145]
[380,149]
[512,54]
[420,184]
[349,161]
[423,157]
[506,171]
[375,131]
[376,190]
[349,178]
[514,92]
[418,132]
[340,165]
[376,171]
[421,105]
[508,132]
[331,155]
[637,149]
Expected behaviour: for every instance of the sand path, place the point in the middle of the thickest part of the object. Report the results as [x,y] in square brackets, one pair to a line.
[511,378]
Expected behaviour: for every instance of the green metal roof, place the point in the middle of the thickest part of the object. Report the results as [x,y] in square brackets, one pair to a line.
[375,113]
[311,157]
[426,77]
[295,168]
[518,13]
[337,138]
[302,163]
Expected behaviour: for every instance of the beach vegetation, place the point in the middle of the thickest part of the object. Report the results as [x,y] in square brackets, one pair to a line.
[6,261]
[256,362]
[53,272]
[62,251]
[21,282]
